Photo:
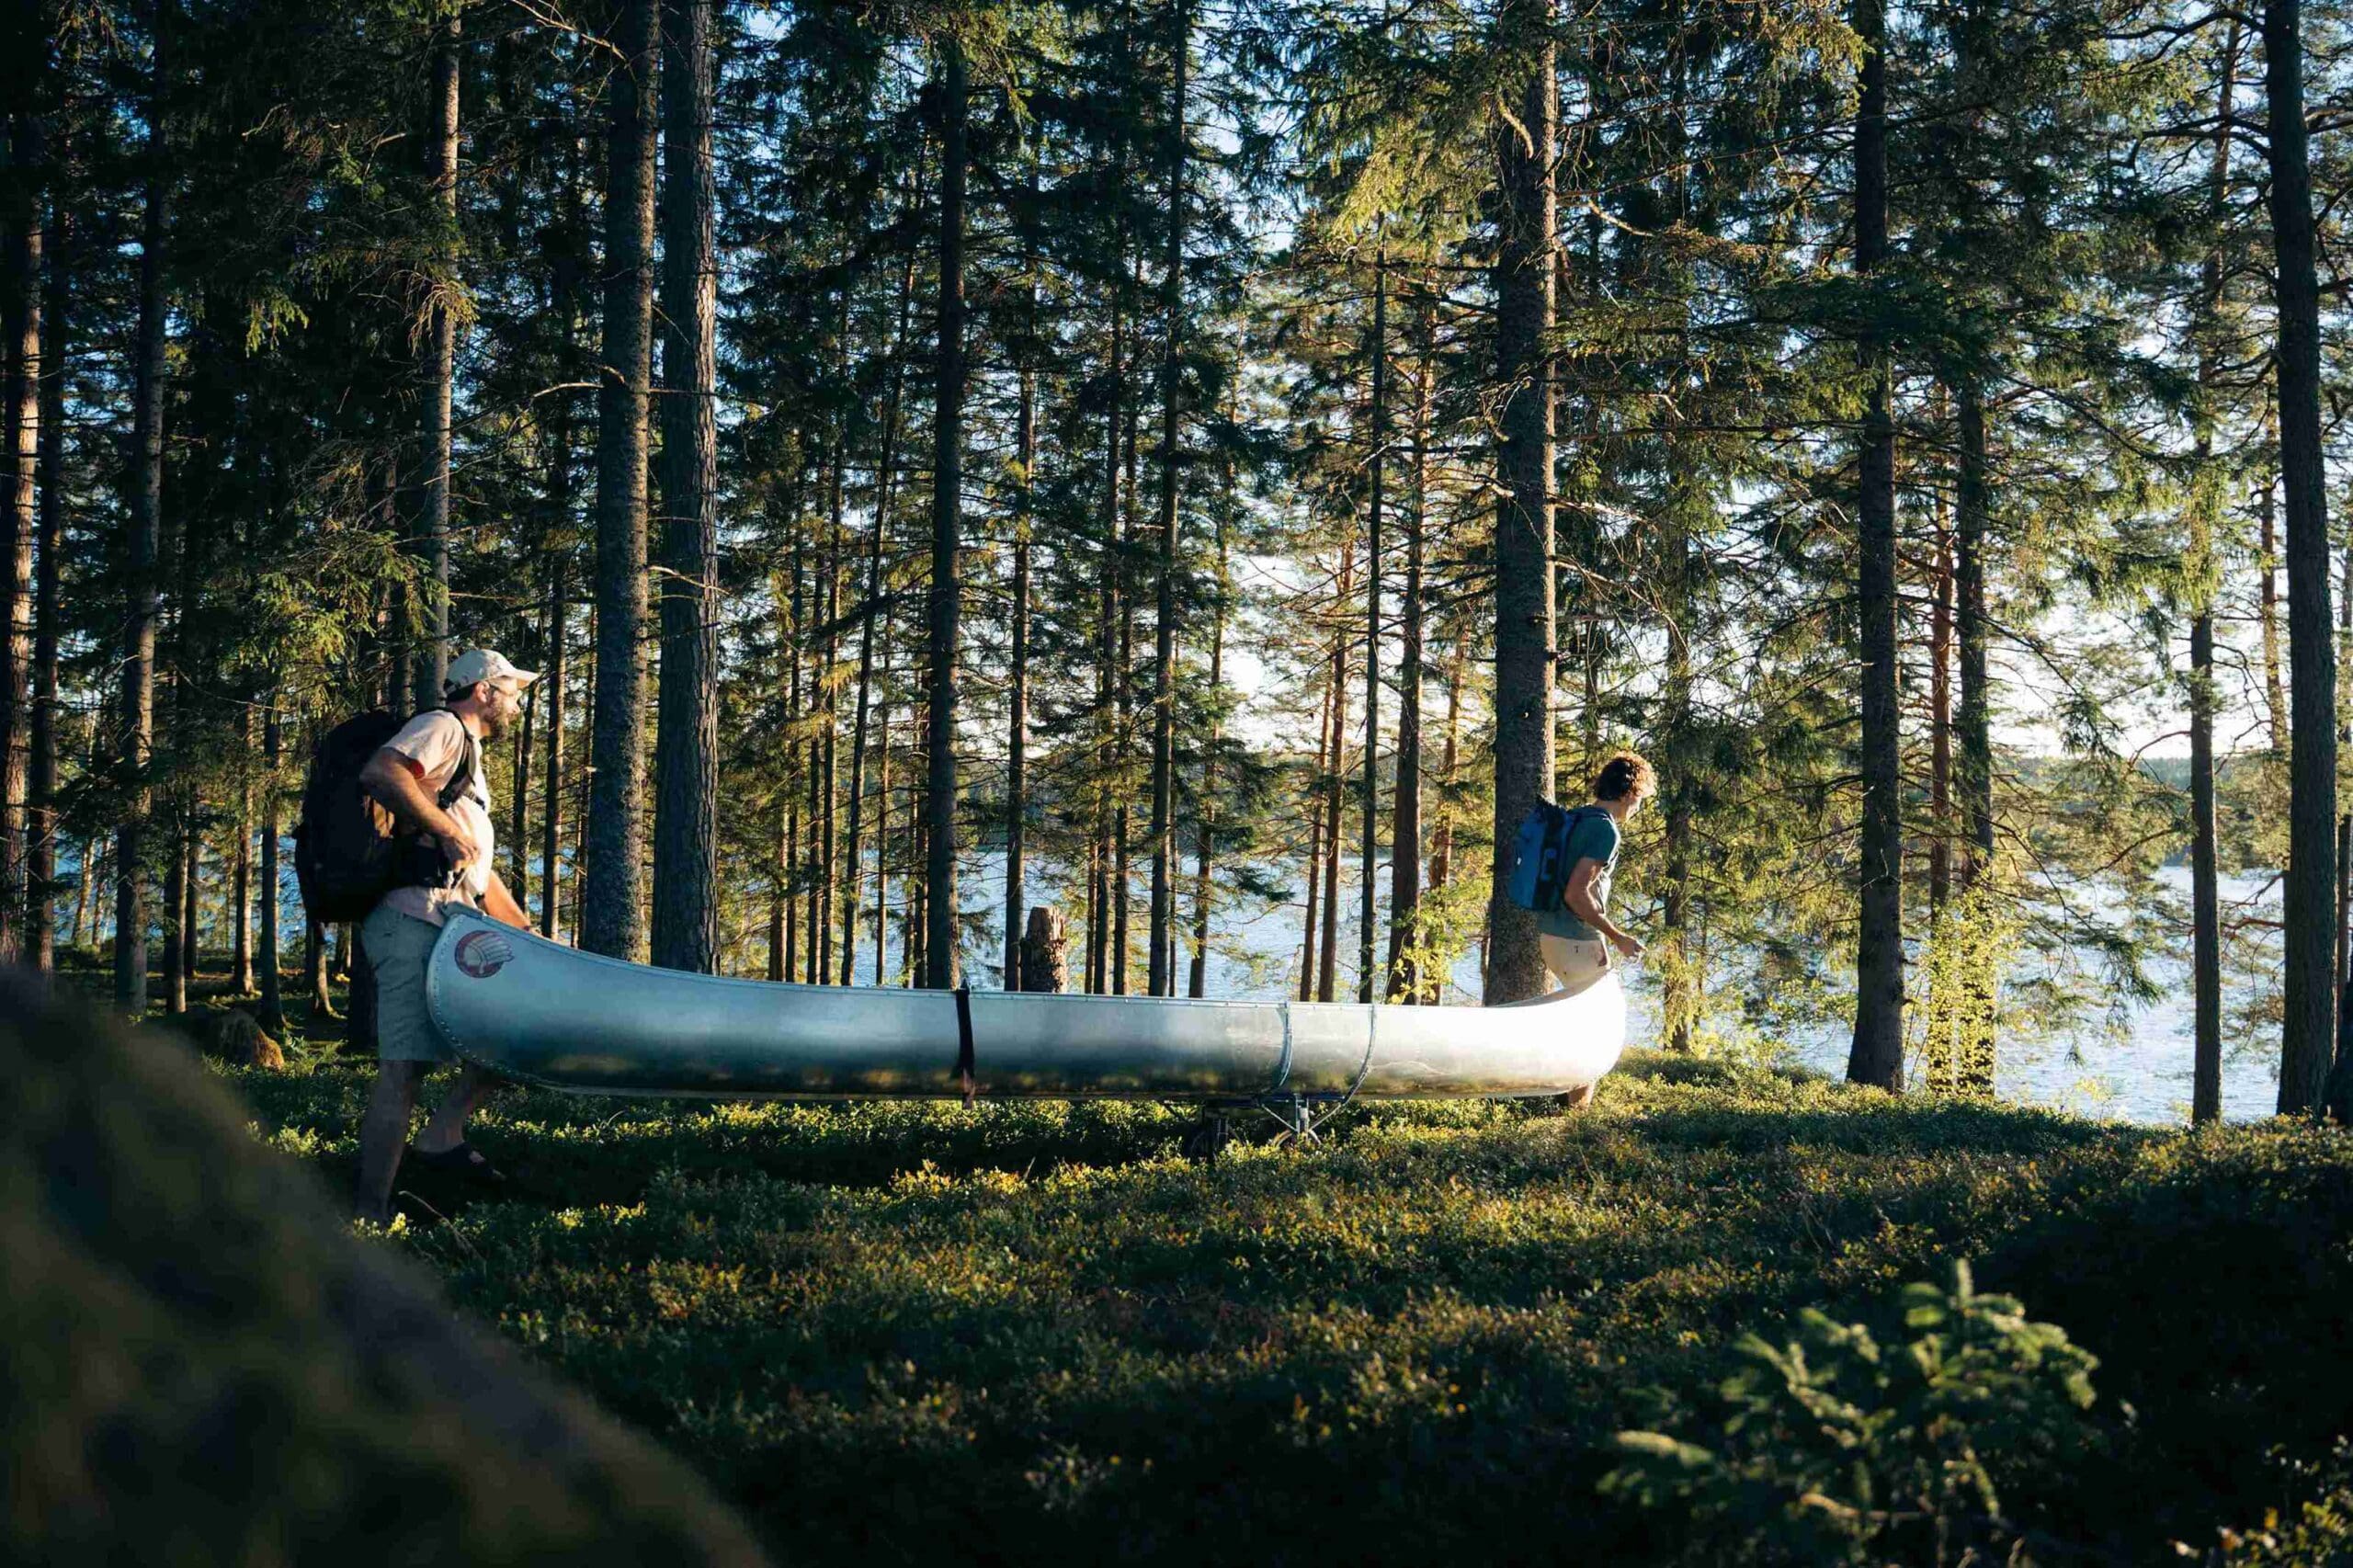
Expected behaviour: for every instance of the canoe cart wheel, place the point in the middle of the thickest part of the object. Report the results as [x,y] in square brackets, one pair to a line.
[1205,1142]
[1299,1118]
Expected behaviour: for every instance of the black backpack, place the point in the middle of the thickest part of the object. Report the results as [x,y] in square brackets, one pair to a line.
[349,851]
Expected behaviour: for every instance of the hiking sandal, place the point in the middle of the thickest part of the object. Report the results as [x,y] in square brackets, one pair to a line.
[465,1162]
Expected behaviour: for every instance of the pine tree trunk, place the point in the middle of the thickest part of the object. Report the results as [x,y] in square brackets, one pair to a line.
[1335,784]
[177,937]
[1123,686]
[1368,979]
[1017,740]
[314,976]
[519,821]
[1098,943]
[916,930]
[1160,974]
[1323,766]
[241,872]
[383,616]
[2308,1024]
[943,600]
[1940,726]
[41,786]
[1197,979]
[779,865]
[1525,283]
[20,408]
[85,868]
[1107,600]
[612,902]
[2340,1088]
[1973,1074]
[821,926]
[1683,530]
[1406,819]
[2206,929]
[2206,941]
[187,545]
[553,684]
[1678,995]
[272,1013]
[441,351]
[581,854]
[881,846]
[1442,838]
[2340,1103]
[795,782]
[94,883]
[885,477]
[1974,715]
[2267,502]
[1877,1056]
[1589,699]
[399,631]
[90,899]
[685,808]
[191,882]
[145,506]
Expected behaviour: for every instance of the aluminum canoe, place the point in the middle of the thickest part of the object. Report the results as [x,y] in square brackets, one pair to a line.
[542,1013]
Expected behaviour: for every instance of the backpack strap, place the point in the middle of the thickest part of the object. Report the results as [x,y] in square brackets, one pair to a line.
[469,758]
[1585,813]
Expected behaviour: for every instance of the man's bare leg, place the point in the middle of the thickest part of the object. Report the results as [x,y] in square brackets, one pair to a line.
[448,1128]
[1577,1099]
[383,1131]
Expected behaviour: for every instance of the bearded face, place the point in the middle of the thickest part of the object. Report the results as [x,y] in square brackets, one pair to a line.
[501,706]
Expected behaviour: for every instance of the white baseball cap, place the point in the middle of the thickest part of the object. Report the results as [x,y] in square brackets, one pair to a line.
[485,664]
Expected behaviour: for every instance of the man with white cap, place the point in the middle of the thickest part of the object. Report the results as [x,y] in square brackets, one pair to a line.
[413,776]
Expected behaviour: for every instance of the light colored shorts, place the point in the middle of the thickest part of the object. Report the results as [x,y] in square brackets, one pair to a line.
[397,946]
[1574,964]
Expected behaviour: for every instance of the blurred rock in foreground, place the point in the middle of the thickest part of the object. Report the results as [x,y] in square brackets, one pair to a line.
[200,1364]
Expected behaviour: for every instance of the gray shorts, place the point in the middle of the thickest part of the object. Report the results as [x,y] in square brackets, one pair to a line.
[397,946]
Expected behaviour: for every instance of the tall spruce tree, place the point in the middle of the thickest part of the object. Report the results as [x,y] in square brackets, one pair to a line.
[612,914]
[686,850]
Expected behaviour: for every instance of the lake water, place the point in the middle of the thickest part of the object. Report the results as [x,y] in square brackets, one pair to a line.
[2134,1066]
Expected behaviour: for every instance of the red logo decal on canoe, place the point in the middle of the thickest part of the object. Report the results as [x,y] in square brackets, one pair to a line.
[482,954]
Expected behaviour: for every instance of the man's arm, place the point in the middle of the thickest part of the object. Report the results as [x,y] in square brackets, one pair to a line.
[1578,897]
[387,777]
[500,905]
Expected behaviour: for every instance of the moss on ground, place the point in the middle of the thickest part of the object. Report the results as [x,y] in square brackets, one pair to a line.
[897,1332]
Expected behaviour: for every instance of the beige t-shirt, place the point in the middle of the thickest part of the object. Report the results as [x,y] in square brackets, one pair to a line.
[435,744]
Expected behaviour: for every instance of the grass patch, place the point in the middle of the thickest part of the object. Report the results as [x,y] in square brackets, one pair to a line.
[887,1332]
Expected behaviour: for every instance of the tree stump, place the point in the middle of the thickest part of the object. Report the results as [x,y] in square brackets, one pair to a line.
[1045,951]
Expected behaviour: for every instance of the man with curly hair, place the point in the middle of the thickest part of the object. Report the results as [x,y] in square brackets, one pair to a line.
[1578,937]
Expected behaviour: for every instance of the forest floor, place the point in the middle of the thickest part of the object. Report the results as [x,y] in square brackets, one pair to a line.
[893,1333]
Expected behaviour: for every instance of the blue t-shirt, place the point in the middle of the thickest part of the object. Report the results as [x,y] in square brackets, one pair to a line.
[1593,837]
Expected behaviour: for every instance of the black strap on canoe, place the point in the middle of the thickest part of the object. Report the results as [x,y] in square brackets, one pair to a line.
[964,1042]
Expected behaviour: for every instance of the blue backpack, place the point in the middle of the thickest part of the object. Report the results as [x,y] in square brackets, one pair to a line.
[1540,857]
